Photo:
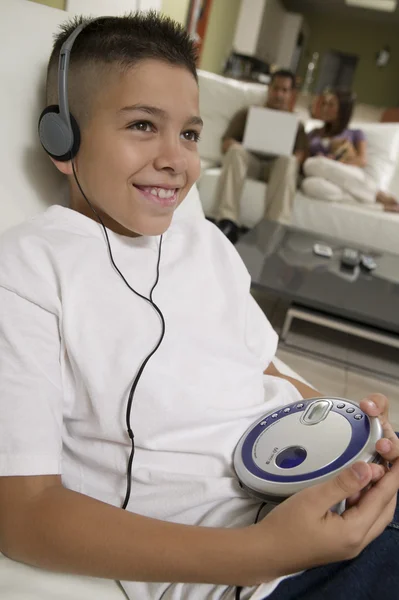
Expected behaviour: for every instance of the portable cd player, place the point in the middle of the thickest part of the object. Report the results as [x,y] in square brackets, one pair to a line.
[304,443]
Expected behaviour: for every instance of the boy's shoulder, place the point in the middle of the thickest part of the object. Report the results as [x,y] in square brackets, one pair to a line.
[31,235]
[27,252]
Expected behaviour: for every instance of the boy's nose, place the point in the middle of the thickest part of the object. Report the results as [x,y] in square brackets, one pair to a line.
[171,156]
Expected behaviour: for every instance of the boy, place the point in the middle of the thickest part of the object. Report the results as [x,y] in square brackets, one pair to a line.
[114,337]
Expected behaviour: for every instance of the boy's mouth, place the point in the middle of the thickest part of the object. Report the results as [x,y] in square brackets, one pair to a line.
[160,195]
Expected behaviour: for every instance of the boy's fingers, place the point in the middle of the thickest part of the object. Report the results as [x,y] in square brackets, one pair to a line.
[372,504]
[389,450]
[377,405]
[348,483]
[377,471]
[382,521]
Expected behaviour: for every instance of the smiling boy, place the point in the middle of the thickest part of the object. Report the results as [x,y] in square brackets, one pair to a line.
[144,331]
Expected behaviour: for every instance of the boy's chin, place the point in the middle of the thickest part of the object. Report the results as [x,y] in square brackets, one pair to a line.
[152,226]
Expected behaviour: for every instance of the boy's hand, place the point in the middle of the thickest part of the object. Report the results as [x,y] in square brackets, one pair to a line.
[376,405]
[302,532]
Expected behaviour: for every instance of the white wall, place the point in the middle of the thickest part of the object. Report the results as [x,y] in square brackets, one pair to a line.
[270,31]
[97,8]
[292,24]
[266,30]
[248,26]
[176,9]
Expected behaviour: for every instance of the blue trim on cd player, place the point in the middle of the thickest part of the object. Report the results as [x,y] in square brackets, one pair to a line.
[360,435]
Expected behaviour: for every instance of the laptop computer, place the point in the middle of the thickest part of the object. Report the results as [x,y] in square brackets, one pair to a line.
[270,132]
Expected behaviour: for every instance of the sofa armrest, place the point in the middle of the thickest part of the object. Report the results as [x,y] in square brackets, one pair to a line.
[22,581]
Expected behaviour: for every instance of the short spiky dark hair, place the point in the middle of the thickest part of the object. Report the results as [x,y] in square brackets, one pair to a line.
[115,41]
[287,74]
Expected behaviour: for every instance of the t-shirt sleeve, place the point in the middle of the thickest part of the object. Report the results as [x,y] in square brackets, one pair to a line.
[236,127]
[261,338]
[30,388]
[358,136]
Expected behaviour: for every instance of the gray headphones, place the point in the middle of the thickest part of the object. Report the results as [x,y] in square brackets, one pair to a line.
[58,129]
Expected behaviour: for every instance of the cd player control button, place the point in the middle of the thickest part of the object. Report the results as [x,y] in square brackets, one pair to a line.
[274,415]
[263,422]
[350,410]
[358,417]
[300,405]
[341,405]
[316,412]
[287,410]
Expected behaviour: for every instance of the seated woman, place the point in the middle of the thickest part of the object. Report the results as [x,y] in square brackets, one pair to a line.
[335,170]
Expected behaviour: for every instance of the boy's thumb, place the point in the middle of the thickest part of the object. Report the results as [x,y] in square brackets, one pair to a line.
[346,484]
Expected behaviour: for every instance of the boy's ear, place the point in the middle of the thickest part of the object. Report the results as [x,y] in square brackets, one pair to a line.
[64,167]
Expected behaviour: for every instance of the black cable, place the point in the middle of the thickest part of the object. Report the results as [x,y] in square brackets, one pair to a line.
[239,588]
[144,363]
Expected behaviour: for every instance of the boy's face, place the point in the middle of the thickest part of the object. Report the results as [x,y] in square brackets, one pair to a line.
[138,157]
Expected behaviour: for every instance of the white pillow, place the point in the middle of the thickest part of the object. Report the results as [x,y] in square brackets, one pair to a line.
[382,151]
[220,99]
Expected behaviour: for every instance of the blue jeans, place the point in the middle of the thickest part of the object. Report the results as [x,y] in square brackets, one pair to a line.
[372,575]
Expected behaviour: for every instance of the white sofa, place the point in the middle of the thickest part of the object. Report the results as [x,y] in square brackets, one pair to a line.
[28,184]
[220,98]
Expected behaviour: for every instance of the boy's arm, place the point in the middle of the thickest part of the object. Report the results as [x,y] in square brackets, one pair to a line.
[45,525]
[305,390]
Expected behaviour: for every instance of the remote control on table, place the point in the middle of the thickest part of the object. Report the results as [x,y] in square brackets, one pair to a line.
[350,258]
[368,262]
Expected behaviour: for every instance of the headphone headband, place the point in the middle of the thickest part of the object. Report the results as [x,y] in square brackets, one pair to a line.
[63,66]
[58,130]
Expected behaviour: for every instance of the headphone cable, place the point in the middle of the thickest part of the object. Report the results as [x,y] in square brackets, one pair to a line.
[144,363]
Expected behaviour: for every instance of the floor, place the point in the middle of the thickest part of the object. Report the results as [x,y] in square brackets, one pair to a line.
[336,364]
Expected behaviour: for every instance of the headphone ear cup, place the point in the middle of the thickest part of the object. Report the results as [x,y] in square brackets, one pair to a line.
[59,140]
[76,138]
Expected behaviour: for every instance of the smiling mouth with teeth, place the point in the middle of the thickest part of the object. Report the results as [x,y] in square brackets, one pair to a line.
[160,195]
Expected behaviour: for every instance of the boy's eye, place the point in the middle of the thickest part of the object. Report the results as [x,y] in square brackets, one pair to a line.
[191,135]
[145,126]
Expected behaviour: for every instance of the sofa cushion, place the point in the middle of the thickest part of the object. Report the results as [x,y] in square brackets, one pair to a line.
[350,222]
[220,98]
[252,204]
[382,151]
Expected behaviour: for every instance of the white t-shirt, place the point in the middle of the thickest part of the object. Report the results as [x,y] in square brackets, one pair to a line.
[72,338]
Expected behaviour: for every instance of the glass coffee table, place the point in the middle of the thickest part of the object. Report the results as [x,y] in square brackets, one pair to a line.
[281,260]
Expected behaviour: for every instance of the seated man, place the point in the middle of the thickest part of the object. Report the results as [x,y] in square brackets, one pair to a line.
[280,173]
